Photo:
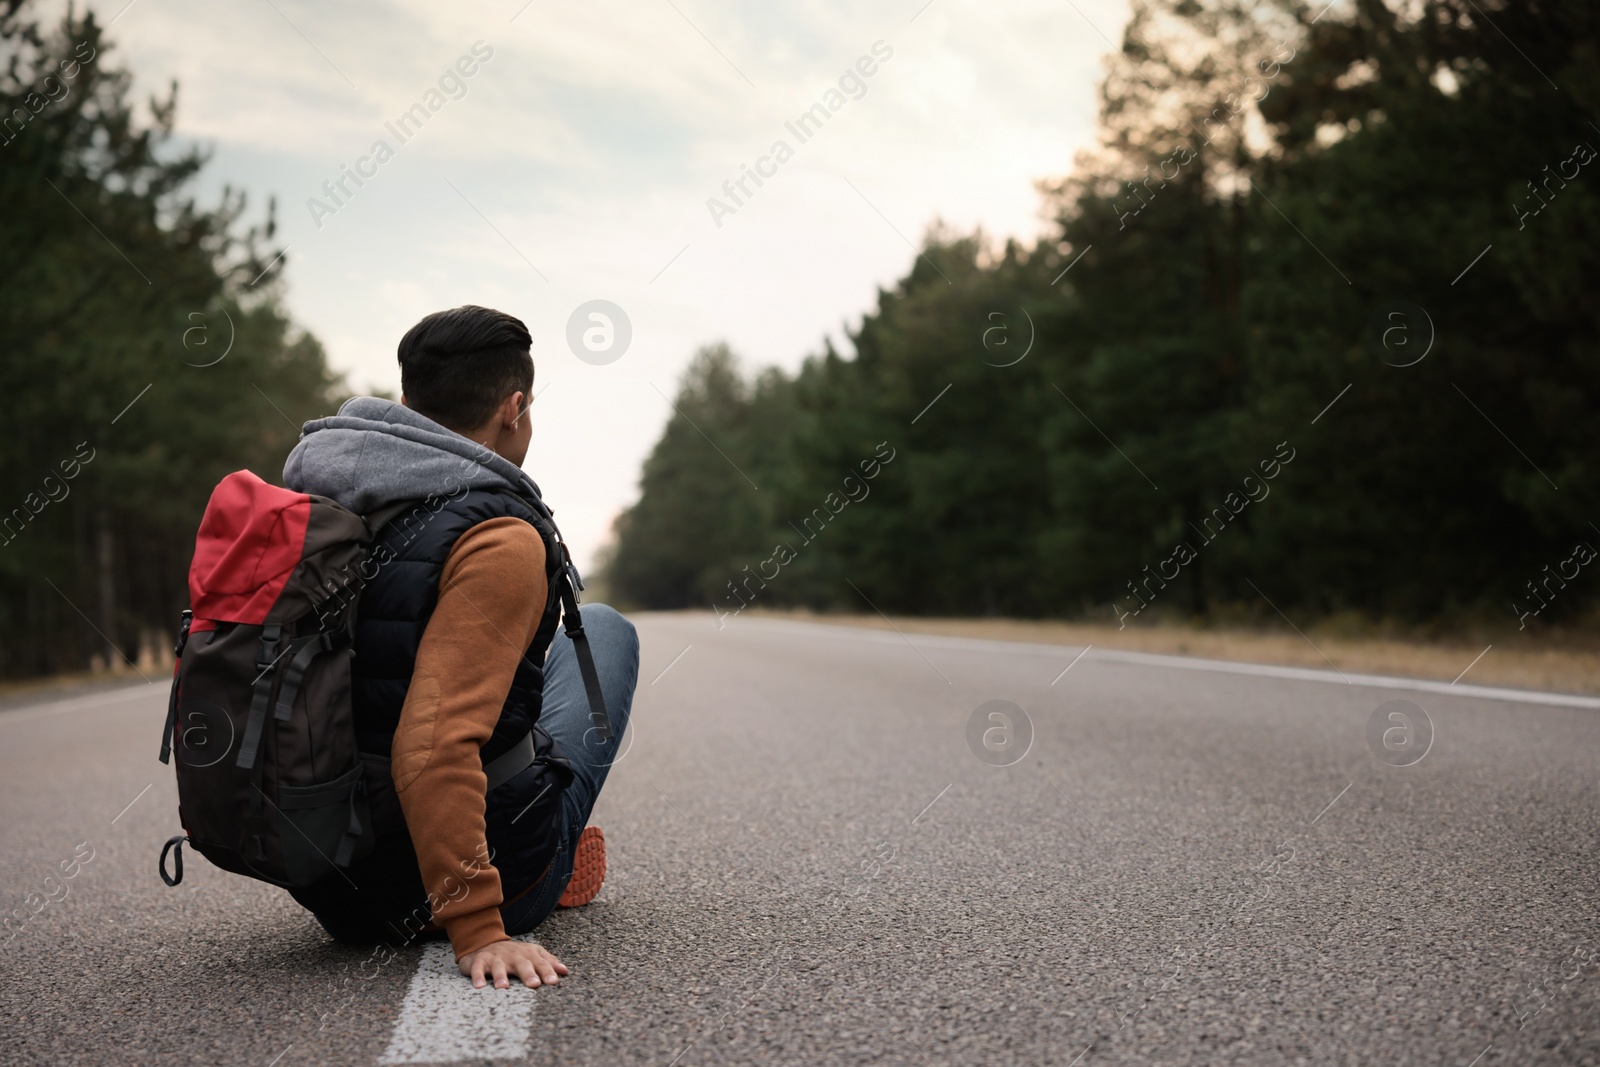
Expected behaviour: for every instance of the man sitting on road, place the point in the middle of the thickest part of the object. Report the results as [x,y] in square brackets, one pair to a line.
[446,673]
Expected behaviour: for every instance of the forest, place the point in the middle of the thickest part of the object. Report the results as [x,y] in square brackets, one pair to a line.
[147,353]
[1314,331]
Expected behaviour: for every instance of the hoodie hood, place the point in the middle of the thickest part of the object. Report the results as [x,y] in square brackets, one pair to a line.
[376,452]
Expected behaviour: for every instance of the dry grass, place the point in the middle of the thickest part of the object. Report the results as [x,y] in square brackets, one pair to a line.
[74,683]
[154,667]
[1567,663]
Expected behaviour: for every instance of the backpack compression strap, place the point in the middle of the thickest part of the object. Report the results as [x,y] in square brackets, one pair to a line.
[172,696]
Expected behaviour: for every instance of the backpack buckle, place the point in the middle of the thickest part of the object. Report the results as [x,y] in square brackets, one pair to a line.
[183,633]
[261,690]
[268,654]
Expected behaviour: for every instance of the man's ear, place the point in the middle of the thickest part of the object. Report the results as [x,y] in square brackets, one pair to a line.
[511,409]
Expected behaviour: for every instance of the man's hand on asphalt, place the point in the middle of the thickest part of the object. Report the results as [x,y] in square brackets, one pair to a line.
[502,959]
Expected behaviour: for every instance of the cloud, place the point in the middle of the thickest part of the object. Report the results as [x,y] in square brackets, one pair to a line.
[590,142]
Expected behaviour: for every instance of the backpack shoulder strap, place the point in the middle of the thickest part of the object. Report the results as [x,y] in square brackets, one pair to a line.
[572,620]
[564,586]
[377,520]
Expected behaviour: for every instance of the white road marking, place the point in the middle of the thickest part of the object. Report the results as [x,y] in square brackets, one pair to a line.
[1151,659]
[445,1020]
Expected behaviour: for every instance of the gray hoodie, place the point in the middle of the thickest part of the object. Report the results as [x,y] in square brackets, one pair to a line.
[377,452]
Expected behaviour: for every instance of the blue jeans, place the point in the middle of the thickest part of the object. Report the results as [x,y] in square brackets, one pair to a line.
[566,716]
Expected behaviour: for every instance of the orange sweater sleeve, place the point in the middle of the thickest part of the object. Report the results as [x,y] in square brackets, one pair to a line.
[491,596]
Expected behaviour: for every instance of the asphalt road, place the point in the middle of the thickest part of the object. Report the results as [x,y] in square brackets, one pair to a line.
[810,864]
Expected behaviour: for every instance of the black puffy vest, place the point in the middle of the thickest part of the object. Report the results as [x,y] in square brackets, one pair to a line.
[522,816]
[397,603]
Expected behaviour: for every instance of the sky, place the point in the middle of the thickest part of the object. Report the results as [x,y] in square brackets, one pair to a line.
[568,153]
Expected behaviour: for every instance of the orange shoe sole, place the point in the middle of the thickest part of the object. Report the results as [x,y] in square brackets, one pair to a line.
[588,869]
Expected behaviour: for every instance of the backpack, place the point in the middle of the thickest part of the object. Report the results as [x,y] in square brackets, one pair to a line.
[271,783]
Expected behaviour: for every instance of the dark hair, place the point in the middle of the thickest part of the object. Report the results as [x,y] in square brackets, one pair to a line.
[458,366]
